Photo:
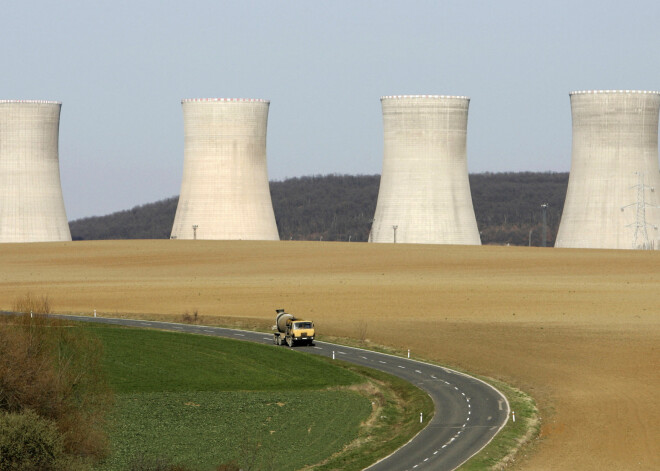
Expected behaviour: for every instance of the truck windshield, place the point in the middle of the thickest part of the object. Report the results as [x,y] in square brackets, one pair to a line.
[303,325]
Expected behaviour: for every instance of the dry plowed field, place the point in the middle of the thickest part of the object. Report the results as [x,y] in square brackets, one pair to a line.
[577,329]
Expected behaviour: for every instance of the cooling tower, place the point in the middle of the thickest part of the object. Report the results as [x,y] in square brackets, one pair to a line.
[31,202]
[225,193]
[424,194]
[614,185]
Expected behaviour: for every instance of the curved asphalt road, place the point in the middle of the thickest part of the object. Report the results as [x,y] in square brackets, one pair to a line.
[468,412]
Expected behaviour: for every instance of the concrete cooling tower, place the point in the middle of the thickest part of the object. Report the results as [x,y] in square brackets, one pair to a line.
[614,185]
[31,202]
[225,193]
[424,194]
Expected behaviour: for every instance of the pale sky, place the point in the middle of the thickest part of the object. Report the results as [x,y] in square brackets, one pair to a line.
[120,69]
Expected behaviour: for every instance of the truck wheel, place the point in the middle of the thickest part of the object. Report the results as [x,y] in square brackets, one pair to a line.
[289,342]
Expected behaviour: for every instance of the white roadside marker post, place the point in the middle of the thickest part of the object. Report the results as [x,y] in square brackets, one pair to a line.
[333,354]
[513,415]
[94,312]
[408,353]
[421,417]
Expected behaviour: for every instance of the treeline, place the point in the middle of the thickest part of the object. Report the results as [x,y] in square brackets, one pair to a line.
[148,221]
[341,208]
[330,207]
[508,206]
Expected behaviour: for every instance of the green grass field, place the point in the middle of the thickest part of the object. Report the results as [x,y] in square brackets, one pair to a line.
[203,401]
[143,360]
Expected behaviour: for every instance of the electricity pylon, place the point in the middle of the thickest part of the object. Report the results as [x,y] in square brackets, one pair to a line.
[640,223]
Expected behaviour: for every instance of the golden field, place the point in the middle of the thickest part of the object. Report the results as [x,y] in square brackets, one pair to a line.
[577,329]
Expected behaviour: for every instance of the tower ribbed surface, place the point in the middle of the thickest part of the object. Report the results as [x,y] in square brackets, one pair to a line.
[225,191]
[614,185]
[31,201]
[424,187]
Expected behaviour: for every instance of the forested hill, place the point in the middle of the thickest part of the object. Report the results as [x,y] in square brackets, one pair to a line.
[341,207]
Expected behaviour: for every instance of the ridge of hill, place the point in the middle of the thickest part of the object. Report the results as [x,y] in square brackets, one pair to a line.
[341,208]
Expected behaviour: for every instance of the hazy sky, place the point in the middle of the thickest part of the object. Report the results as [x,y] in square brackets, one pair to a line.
[120,69]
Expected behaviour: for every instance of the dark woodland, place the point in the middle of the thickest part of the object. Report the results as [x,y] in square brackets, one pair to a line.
[340,208]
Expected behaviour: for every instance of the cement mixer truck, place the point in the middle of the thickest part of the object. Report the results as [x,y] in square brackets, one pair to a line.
[291,331]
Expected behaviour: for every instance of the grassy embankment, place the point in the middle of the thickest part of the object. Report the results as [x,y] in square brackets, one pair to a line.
[201,401]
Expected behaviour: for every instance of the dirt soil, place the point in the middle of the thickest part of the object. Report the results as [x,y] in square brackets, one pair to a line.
[577,329]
